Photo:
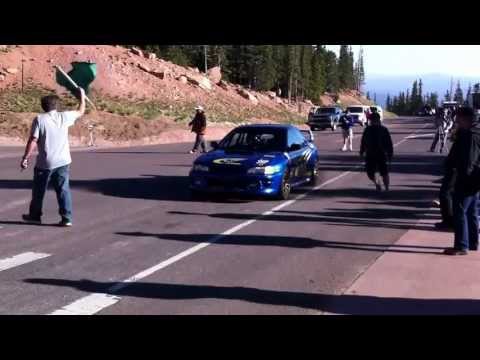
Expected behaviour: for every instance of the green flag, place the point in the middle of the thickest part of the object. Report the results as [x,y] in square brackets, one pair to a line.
[83,73]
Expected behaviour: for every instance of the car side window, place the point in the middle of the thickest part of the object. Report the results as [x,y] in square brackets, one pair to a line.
[295,137]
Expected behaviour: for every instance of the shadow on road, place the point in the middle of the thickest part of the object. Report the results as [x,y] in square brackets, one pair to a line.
[339,304]
[425,164]
[147,187]
[286,241]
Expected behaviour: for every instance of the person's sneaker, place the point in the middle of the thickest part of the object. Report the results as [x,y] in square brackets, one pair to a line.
[191,152]
[65,223]
[453,251]
[443,226]
[473,249]
[344,149]
[31,220]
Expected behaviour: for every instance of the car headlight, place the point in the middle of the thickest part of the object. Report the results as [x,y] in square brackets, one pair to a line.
[265,170]
[202,168]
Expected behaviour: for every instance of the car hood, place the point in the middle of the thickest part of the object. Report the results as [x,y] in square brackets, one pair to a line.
[227,159]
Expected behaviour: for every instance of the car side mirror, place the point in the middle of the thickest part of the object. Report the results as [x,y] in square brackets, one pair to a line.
[295,147]
[214,145]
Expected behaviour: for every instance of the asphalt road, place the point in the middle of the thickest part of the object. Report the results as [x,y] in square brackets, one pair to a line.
[139,245]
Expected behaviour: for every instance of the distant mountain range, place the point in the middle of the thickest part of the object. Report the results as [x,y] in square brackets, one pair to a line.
[439,83]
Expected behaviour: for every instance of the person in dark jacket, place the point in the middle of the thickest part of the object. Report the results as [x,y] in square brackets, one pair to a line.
[346,123]
[378,150]
[464,157]
[199,127]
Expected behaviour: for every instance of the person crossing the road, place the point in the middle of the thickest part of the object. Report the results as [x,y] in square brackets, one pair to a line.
[199,127]
[49,134]
[346,123]
[377,147]
[443,125]
[464,157]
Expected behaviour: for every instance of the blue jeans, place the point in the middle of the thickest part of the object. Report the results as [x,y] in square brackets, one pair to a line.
[59,178]
[465,217]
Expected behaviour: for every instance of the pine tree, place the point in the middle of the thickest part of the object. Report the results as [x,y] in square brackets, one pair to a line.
[344,67]
[332,81]
[476,88]
[469,92]
[388,103]
[419,101]
[447,96]
[368,95]
[458,95]
[374,98]
[360,71]
[265,72]
[317,86]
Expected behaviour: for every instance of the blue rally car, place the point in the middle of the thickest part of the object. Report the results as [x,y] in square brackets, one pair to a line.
[265,160]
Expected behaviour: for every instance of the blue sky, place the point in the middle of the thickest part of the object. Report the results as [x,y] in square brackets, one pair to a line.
[455,60]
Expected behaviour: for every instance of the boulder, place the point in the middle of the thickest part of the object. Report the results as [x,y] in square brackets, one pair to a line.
[158,73]
[152,56]
[183,79]
[11,70]
[144,68]
[244,93]
[271,94]
[200,81]
[278,100]
[223,85]
[215,74]
[137,51]
[2,77]
[3,47]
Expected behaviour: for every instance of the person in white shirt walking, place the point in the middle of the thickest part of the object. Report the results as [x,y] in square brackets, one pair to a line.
[49,134]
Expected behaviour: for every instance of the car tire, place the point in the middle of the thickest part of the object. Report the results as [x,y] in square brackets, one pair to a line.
[285,187]
[313,178]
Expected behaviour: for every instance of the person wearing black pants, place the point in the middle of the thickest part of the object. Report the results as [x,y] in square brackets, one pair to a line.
[446,200]
[199,126]
[465,158]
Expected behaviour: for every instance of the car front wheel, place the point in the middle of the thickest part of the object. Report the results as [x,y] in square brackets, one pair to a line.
[285,187]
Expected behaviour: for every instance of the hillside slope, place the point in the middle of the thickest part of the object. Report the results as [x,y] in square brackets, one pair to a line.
[137,95]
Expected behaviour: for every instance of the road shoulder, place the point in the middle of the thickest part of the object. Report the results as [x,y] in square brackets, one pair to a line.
[412,277]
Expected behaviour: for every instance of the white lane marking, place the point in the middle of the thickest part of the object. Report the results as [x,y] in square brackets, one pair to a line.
[420,136]
[94,303]
[21,259]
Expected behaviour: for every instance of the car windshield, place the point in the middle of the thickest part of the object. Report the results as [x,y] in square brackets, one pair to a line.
[255,139]
[326,111]
[355,109]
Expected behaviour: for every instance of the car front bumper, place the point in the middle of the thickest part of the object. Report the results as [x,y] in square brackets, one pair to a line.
[248,184]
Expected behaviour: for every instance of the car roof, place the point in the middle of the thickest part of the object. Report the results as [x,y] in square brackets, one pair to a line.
[266,126]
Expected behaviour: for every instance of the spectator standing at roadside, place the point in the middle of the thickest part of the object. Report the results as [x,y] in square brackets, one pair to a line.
[464,157]
[49,134]
[377,147]
[347,123]
[199,127]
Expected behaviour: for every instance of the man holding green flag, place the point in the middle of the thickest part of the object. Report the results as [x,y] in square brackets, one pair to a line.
[50,134]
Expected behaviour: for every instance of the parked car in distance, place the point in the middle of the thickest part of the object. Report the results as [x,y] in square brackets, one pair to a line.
[378,109]
[357,112]
[324,117]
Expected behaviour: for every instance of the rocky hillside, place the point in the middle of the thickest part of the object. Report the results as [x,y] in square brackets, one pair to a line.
[144,94]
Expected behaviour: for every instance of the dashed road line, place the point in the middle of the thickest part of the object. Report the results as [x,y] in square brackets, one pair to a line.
[21,259]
